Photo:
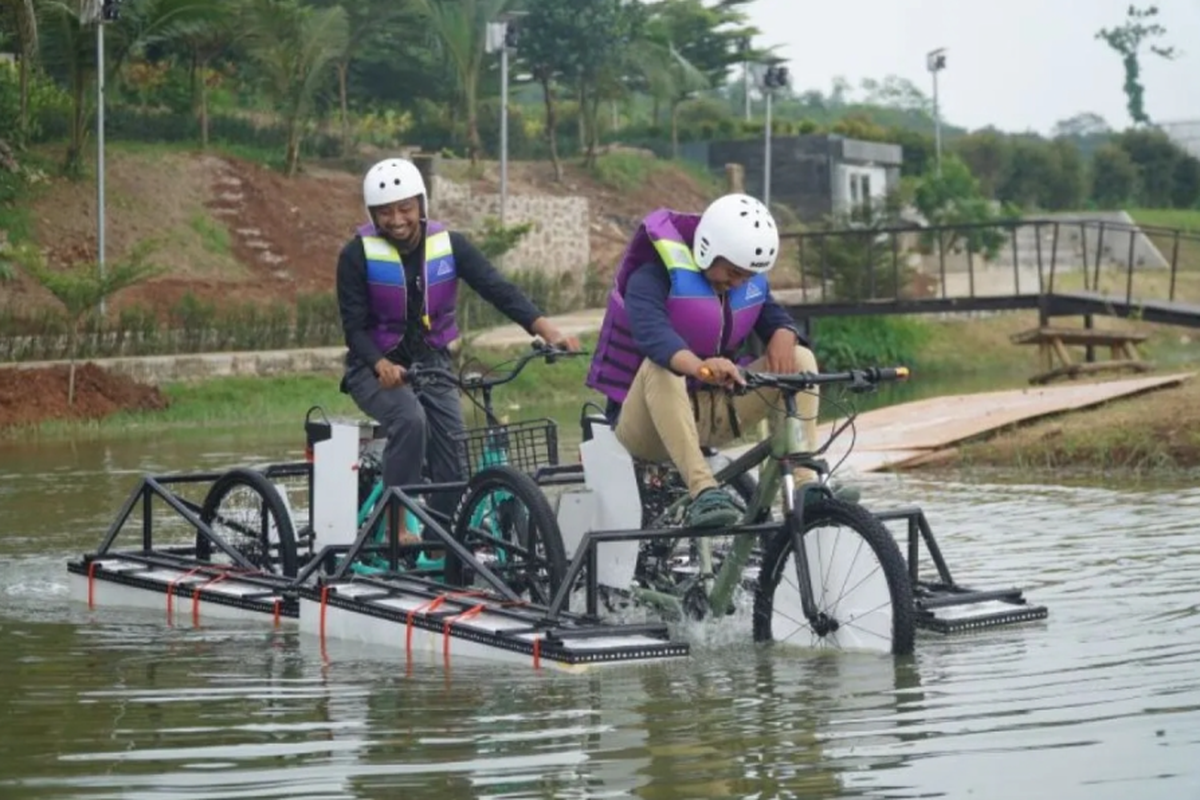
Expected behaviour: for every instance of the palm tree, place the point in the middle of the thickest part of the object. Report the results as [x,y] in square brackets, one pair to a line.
[461,25]
[294,44]
[69,43]
[24,15]
[208,35]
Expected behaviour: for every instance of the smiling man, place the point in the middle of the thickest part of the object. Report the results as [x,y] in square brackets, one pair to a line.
[397,288]
[689,291]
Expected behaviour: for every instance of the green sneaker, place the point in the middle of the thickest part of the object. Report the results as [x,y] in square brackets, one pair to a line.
[713,508]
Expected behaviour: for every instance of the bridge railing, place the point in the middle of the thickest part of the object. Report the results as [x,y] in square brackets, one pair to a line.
[1011,258]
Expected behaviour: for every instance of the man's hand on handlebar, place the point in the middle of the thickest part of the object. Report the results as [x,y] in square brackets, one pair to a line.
[550,333]
[719,372]
[391,375]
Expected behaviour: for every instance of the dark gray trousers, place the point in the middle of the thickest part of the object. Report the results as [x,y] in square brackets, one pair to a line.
[421,428]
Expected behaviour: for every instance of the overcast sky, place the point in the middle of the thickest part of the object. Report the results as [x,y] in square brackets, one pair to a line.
[1015,64]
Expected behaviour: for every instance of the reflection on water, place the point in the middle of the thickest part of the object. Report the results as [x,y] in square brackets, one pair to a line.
[1102,700]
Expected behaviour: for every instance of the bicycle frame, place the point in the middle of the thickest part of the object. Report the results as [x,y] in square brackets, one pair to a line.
[779,455]
[493,452]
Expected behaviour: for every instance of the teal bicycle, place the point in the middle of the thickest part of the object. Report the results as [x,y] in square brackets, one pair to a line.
[502,518]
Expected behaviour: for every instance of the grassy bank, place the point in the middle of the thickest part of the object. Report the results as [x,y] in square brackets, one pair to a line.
[1156,431]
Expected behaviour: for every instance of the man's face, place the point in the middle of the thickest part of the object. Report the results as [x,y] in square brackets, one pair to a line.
[723,275]
[400,221]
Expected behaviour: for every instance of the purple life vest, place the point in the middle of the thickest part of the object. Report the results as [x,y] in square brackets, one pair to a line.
[387,288]
[709,324]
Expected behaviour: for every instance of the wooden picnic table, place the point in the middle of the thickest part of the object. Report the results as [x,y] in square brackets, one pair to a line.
[1053,342]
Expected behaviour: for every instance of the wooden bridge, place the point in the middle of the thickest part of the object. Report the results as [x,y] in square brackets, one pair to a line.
[1055,266]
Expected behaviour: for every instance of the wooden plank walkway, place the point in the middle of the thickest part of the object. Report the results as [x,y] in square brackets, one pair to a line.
[903,435]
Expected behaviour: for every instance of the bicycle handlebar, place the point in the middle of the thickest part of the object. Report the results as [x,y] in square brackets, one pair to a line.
[857,378]
[472,381]
[866,378]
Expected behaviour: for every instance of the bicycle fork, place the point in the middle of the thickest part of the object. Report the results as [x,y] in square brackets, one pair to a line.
[793,506]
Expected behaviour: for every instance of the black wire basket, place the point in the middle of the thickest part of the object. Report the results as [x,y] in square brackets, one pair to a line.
[528,446]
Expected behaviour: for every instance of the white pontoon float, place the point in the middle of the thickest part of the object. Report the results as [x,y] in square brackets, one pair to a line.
[224,570]
[337,577]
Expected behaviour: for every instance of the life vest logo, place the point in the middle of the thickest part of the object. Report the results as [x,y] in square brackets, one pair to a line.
[753,292]
[444,269]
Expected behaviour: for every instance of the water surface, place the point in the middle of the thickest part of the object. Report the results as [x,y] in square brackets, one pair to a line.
[1102,700]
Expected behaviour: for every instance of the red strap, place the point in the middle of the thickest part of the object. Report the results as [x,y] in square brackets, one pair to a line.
[92,584]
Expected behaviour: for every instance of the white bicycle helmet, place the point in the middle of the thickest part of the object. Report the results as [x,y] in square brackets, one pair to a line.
[391,180]
[739,228]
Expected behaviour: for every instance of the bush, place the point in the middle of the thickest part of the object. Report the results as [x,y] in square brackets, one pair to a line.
[851,342]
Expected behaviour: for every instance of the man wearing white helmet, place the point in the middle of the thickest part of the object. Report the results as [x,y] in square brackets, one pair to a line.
[397,287]
[689,291]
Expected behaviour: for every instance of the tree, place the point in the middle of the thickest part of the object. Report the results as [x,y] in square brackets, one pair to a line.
[1114,177]
[1082,125]
[1127,40]
[69,46]
[25,25]
[293,45]
[953,197]
[546,36]
[896,92]
[461,27]
[597,53]
[674,33]
[81,288]
[212,31]
[363,19]
[1186,191]
[1156,158]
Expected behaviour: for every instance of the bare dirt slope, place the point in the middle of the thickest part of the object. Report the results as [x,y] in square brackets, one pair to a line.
[232,229]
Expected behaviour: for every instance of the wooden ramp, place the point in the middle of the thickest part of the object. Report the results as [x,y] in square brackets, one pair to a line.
[909,433]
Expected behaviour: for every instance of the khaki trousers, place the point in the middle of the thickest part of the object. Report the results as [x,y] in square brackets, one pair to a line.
[659,423]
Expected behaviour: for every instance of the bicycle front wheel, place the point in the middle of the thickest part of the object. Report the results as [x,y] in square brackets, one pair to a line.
[507,523]
[860,585]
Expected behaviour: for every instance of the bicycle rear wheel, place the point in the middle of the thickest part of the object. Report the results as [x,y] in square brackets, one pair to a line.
[859,582]
[506,521]
[244,508]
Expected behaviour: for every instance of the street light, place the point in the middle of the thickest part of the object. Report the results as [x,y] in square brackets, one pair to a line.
[100,12]
[503,36]
[935,62]
[775,77]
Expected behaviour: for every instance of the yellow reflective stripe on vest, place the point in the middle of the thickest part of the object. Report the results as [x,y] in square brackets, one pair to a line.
[676,255]
[437,245]
[380,249]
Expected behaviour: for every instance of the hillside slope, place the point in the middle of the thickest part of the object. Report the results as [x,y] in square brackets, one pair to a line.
[233,229]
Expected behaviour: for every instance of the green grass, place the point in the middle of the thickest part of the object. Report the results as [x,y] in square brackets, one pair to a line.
[627,172]
[262,401]
[214,236]
[1179,218]
[237,401]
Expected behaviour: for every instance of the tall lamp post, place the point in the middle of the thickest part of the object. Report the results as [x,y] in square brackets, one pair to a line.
[502,36]
[935,62]
[775,77]
[101,12]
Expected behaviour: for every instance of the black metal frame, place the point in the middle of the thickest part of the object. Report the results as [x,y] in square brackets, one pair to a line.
[944,592]
[182,557]
[928,595]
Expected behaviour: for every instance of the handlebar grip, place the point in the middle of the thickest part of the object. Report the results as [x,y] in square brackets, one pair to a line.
[882,374]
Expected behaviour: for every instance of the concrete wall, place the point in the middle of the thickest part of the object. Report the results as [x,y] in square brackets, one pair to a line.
[558,242]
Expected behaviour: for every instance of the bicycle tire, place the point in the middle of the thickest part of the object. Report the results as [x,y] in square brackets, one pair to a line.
[891,567]
[285,563]
[541,518]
